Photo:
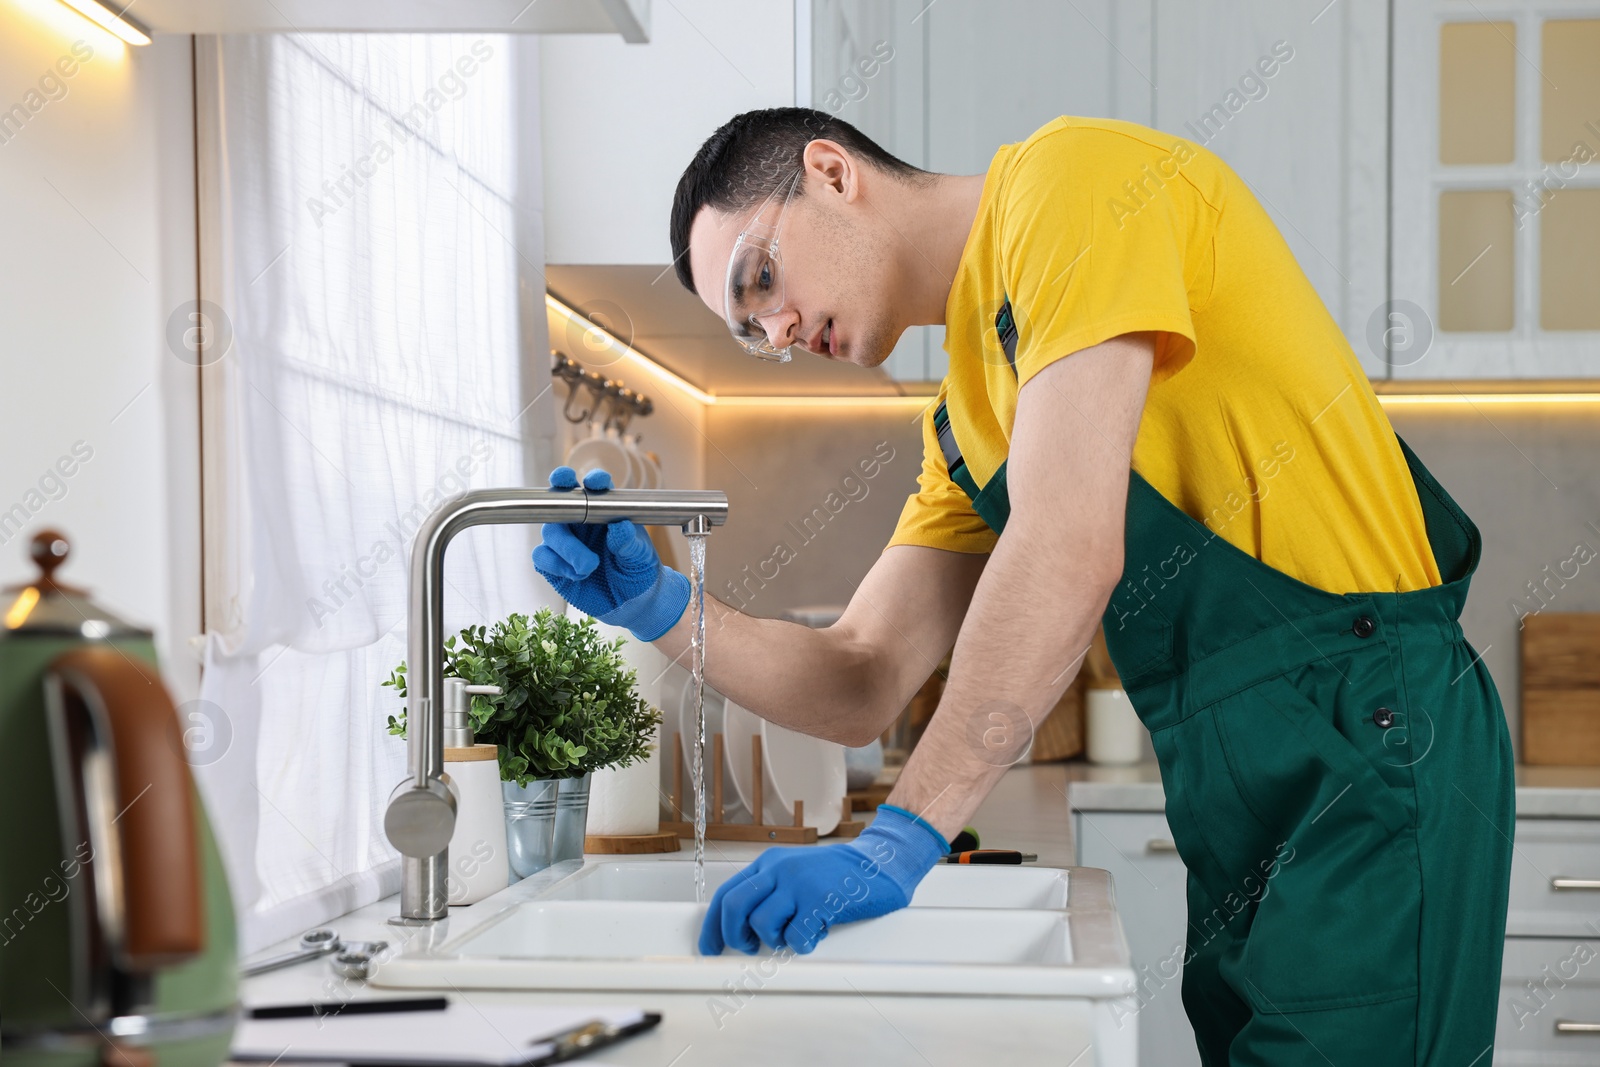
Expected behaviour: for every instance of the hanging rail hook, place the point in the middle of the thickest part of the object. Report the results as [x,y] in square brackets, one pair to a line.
[623,404]
[614,401]
[596,383]
[624,407]
[570,372]
[575,376]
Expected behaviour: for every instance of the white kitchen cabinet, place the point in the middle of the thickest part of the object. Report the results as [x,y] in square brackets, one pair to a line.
[1548,1011]
[1496,193]
[944,85]
[621,121]
[1136,847]
[1555,879]
[1308,138]
[629,18]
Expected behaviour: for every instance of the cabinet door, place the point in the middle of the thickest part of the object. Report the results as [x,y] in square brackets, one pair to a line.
[1308,139]
[944,85]
[1148,878]
[1555,879]
[1549,1011]
[620,121]
[1496,187]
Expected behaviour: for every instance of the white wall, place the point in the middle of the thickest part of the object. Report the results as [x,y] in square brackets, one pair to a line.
[98,248]
[621,121]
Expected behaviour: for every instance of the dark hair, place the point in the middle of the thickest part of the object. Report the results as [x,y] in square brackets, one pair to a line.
[741,164]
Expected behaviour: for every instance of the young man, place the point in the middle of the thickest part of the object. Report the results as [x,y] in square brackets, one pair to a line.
[1150,421]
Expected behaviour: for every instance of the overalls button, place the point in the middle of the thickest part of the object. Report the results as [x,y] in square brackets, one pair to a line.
[1364,626]
[1383,717]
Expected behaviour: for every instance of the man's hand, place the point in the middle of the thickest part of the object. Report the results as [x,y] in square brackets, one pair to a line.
[791,897]
[610,571]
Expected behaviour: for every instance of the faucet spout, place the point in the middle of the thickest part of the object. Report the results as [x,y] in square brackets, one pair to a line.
[421,812]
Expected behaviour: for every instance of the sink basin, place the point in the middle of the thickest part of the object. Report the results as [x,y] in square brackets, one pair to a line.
[607,930]
[633,925]
[946,886]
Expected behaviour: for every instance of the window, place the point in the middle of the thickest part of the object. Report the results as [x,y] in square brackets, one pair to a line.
[369,229]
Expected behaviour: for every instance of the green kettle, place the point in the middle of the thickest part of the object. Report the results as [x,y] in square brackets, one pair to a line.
[116,928]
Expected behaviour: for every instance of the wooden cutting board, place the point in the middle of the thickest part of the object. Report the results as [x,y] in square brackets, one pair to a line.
[1561,689]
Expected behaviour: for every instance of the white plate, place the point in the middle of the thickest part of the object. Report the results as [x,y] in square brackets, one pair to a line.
[739,726]
[799,767]
[602,453]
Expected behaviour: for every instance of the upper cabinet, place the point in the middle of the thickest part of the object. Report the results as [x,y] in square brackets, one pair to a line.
[1292,97]
[630,19]
[943,85]
[621,121]
[1496,191]
[1435,176]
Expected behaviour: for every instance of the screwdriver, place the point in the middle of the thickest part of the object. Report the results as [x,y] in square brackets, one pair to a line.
[991,855]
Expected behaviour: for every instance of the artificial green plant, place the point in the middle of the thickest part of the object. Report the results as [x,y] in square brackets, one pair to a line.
[568,703]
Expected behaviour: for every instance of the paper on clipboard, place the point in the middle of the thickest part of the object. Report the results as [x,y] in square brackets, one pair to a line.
[490,1036]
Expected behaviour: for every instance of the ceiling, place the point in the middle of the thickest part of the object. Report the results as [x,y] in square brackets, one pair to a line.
[647,308]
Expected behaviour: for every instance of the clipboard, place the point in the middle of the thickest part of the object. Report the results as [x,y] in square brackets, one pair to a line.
[459,1035]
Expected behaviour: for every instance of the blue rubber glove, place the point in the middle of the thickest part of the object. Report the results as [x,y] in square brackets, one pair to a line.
[791,897]
[610,570]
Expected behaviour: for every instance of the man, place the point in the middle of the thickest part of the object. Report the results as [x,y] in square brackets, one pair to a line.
[1150,421]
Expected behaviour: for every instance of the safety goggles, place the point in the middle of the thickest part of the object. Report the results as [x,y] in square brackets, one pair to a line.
[754,285]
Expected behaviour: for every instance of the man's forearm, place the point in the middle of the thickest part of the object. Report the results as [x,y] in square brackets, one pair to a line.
[847,682]
[1031,621]
[816,681]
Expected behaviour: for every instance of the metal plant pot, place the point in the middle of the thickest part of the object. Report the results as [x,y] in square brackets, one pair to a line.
[531,825]
[572,819]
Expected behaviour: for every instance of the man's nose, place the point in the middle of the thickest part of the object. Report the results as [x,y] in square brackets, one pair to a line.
[781,327]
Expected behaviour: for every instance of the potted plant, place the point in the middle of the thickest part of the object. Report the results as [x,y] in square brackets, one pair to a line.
[568,706]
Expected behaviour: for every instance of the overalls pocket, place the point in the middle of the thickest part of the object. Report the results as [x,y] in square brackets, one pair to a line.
[1291,818]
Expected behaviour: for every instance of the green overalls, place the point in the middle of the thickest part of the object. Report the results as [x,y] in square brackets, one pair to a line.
[1338,779]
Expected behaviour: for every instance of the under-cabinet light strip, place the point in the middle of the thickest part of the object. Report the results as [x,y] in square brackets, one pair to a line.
[911,403]
[112,21]
[1481,399]
[626,351]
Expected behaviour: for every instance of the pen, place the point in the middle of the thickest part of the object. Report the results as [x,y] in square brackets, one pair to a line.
[349,1007]
[991,855]
[594,1034]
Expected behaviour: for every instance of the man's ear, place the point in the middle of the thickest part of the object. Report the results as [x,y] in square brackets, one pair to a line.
[829,168]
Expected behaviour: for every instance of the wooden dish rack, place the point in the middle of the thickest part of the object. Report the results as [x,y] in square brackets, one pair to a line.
[798,833]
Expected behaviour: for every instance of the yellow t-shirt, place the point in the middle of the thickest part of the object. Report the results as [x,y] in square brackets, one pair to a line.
[1259,423]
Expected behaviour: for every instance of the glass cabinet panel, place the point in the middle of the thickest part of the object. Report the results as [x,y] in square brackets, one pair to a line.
[1475,260]
[1570,106]
[1477,92]
[1569,261]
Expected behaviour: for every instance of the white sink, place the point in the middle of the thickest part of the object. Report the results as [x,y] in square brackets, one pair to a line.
[946,886]
[606,930]
[633,924]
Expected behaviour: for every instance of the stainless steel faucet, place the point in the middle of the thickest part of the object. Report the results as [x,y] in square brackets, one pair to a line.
[422,811]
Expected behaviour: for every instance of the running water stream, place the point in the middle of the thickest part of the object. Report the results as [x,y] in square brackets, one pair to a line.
[697,687]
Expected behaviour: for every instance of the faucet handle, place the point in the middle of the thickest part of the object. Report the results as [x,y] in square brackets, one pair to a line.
[483,690]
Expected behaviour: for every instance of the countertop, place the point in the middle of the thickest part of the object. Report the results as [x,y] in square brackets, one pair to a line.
[1542,792]
[1027,810]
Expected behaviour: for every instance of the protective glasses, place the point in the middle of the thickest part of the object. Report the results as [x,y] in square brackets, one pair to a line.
[754,286]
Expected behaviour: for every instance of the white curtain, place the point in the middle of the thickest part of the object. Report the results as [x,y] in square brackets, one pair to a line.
[371,232]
